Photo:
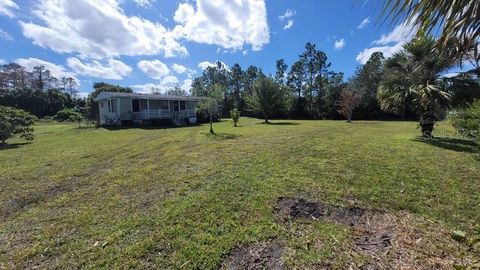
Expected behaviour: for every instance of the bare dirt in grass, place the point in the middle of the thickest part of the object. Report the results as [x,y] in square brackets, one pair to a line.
[380,240]
[265,255]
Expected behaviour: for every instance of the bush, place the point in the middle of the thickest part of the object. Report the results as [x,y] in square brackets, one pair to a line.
[69,115]
[467,121]
[235,114]
[15,122]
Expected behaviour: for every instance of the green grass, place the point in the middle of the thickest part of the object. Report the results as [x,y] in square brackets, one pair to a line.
[179,197]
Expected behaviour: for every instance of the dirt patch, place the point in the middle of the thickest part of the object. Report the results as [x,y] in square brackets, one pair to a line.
[25,201]
[265,255]
[381,240]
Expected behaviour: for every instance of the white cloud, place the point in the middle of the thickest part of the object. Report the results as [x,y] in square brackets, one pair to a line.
[2,62]
[364,23]
[97,29]
[5,35]
[187,85]
[387,51]
[392,42]
[179,68]
[57,71]
[288,13]
[167,83]
[155,69]
[226,23]
[401,33]
[169,80]
[81,95]
[114,70]
[203,65]
[144,3]
[288,25]
[339,44]
[6,7]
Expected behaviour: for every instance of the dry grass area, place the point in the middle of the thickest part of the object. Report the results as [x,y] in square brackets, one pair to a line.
[287,195]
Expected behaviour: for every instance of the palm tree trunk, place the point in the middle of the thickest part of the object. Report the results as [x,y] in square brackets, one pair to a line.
[427,122]
[211,125]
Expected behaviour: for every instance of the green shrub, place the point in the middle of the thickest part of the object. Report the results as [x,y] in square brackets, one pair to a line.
[235,114]
[15,122]
[467,121]
[69,115]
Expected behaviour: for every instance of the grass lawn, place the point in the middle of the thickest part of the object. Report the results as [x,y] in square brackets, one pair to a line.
[181,198]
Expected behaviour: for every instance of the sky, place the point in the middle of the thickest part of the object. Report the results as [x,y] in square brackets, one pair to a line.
[159,44]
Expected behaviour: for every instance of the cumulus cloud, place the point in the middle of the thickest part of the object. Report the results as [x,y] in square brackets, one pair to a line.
[57,71]
[2,62]
[162,86]
[288,13]
[288,25]
[203,65]
[387,51]
[97,29]
[179,68]
[144,3]
[401,33]
[155,69]
[5,35]
[187,85]
[113,70]
[7,7]
[364,23]
[390,43]
[339,44]
[228,24]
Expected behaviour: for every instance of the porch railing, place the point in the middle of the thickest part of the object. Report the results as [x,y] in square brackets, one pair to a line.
[162,114]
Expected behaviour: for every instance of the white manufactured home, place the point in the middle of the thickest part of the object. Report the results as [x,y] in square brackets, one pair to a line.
[132,108]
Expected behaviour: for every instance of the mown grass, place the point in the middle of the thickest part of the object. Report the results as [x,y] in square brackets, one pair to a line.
[181,198]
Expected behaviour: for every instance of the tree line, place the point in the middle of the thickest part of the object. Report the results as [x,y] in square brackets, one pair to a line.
[38,91]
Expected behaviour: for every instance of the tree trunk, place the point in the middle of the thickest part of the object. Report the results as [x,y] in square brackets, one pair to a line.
[211,125]
[427,122]
[349,117]
[266,118]
[404,108]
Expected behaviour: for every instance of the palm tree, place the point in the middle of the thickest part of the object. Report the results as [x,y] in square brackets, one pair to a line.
[412,79]
[457,22]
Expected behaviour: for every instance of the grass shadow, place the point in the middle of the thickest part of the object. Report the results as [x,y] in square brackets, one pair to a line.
[222,136]
[12,145]
[454,144]
[279,123]
[147,127]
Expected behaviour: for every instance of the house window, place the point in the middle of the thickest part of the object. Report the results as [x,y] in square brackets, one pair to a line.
[144,105]
[112,105]
[182,105]
[101,104]
[135,105]
[176,106]
[164,105]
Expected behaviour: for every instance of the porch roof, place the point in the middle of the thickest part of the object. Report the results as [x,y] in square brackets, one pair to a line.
[107,95]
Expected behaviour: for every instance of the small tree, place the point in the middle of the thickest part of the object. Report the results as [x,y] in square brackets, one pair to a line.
[349,101]
[235,114]
[267,97]
[69,115]
[211,104]
[15,122]
[467,121]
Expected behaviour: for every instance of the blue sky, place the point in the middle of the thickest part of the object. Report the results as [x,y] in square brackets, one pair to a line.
[162,43]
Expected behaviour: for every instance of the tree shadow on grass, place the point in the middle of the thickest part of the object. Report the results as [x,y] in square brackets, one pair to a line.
[147,127]
[454,144]
[279,123]
[12,145]
[222,136]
